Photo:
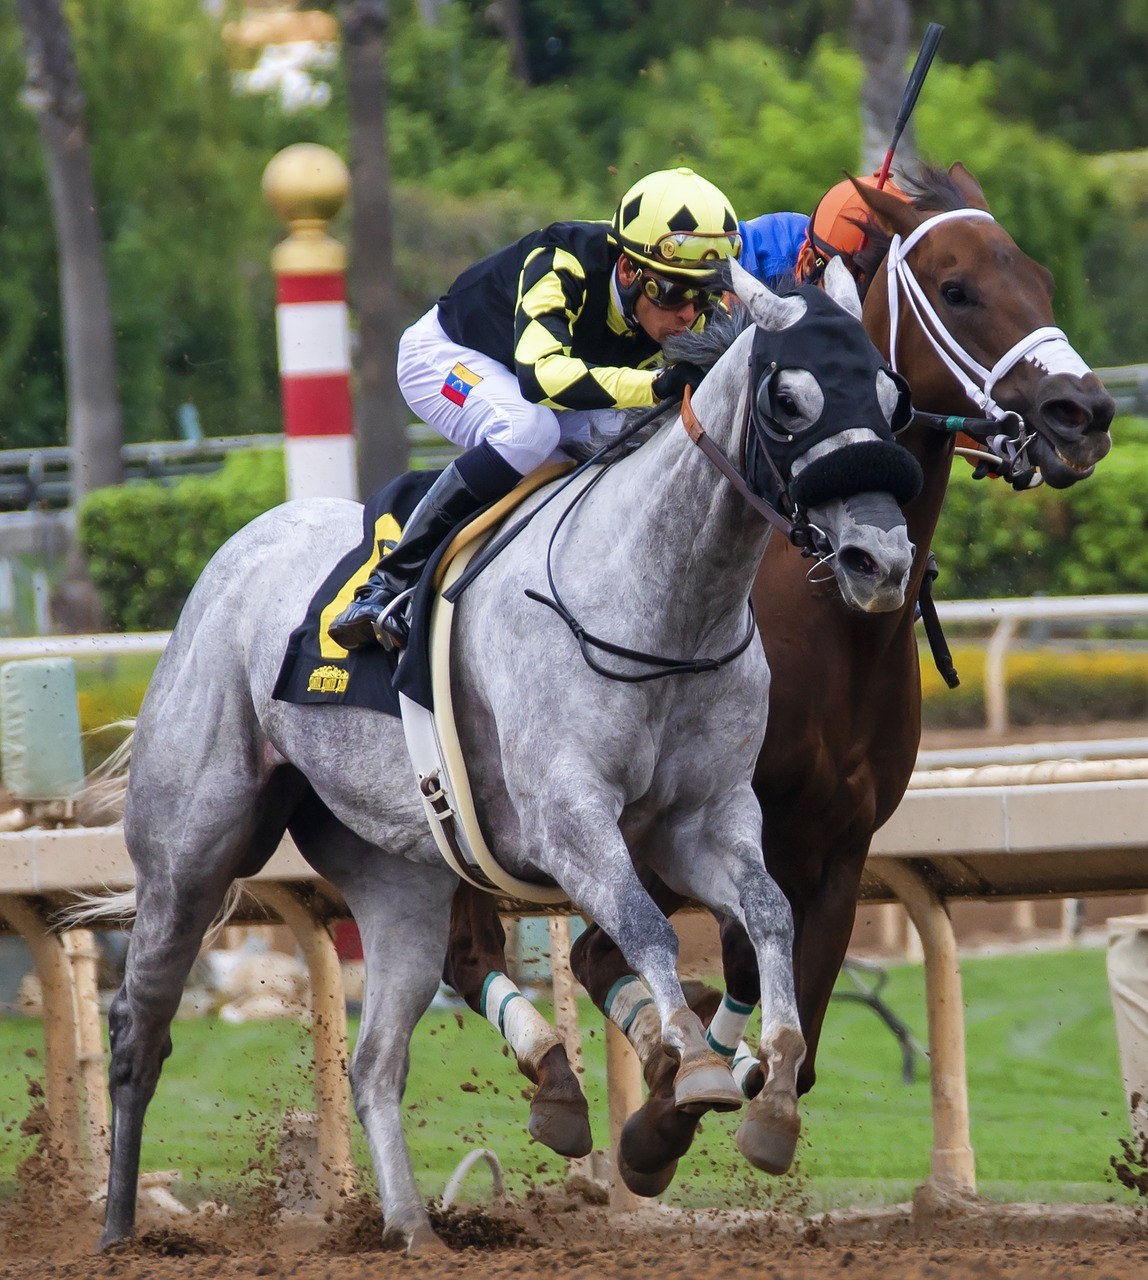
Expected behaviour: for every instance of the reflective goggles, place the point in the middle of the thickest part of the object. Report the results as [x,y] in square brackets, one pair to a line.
[692,248]
[670,295]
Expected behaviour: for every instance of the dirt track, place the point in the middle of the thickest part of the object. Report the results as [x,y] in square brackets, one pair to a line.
[560,1236]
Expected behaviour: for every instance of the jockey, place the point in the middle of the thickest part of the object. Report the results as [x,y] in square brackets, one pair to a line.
[530,342]
[770,245]
[777,245]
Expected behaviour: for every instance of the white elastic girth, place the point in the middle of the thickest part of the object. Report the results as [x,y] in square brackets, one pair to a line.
[1046,347]
[728,1026]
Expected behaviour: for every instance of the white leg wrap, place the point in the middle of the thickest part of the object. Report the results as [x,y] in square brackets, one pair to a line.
[631,1008]
[515,1018]
[728,1026]
[744,1061]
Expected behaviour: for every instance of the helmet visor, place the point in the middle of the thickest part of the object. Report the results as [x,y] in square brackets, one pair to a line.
[688,250]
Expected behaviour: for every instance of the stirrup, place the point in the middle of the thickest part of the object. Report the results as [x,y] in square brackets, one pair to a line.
[387,639]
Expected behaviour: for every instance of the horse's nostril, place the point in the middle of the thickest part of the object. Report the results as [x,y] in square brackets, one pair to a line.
[1069,415]
[857,561]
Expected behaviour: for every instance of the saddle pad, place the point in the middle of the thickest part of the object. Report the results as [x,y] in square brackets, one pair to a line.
[316,670]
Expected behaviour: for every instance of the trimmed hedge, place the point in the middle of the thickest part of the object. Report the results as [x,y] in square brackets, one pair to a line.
[148,543]
[1045,686]
[1091,539]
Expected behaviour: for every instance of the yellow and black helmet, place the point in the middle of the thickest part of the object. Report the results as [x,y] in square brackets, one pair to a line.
[677,224]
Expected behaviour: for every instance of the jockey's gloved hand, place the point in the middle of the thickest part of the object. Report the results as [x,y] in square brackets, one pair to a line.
[672,382]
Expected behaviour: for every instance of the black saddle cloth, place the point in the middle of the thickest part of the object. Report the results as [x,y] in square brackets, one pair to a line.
[369,677]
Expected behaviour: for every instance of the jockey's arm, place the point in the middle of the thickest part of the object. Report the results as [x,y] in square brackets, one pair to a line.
[551,295]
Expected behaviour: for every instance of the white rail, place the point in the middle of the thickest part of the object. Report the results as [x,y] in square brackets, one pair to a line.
[102,646]
[1008,615]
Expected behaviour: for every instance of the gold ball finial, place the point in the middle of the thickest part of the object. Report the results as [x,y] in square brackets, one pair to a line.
[306,185]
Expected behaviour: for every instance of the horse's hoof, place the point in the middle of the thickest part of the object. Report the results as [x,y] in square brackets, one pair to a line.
[647,1185]
[423,1243]
[770,1150]
[709,1086]
[561,1124]
[654,1139]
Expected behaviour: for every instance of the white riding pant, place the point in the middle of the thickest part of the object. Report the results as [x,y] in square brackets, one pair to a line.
[468,397]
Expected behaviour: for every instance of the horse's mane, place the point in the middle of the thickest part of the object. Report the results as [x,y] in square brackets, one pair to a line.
[704,348]
[931,189]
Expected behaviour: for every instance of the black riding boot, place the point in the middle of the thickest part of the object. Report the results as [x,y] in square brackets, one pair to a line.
[477,477]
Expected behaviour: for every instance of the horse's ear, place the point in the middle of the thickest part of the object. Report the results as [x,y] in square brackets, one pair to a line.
[841,287]
[968,186]
[768,309]
[896,216]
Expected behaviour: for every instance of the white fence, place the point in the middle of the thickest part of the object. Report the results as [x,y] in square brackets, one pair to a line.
[1006,617]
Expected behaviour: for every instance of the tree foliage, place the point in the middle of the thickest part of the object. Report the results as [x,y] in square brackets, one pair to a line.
[744,91]
[1090,539]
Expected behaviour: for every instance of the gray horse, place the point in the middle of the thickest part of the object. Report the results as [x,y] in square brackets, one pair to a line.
[578,777]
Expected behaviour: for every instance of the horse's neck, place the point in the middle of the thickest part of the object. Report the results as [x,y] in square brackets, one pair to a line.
[672,516]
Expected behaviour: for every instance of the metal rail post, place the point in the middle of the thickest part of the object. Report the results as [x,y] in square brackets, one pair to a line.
[328,1033]
[952,1155]
[61,1064]
[624,1092]
[80,947]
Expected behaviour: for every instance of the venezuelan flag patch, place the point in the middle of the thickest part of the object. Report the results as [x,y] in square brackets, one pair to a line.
[460,382]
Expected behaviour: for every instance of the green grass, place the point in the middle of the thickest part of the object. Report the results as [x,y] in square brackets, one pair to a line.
[1044,1082]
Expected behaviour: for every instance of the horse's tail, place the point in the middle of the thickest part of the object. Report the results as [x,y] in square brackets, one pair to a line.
[101,803]
[110,908]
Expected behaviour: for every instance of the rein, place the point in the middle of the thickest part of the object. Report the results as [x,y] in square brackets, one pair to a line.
[499,544]
[799,535]
[696,432]
[588,641]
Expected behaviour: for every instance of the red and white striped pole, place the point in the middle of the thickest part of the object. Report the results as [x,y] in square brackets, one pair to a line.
[306,185]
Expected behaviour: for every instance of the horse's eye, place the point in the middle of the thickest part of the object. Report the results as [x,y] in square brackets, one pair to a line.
[787,404]
[954,294]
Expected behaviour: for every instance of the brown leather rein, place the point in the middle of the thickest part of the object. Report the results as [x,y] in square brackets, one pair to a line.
[697,434]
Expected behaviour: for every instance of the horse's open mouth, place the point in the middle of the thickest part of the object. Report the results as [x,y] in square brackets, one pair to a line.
[1083,470]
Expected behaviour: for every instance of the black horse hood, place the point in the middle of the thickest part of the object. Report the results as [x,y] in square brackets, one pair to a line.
[831,345]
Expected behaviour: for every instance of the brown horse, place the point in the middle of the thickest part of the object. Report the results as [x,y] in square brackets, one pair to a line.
[844,716]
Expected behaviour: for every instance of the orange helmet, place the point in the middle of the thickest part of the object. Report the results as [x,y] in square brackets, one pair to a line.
[836,226]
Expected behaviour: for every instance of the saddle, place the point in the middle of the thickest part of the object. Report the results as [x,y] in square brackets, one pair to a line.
[414,685]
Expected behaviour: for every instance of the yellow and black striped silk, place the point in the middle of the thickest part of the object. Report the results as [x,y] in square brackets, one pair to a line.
[545,308]
[551,299]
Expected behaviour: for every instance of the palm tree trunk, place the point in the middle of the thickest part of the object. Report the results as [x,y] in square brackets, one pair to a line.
[95,430]
[381,414]
[879,33]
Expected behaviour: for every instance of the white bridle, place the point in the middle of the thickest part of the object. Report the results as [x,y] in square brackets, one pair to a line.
[1047,347]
